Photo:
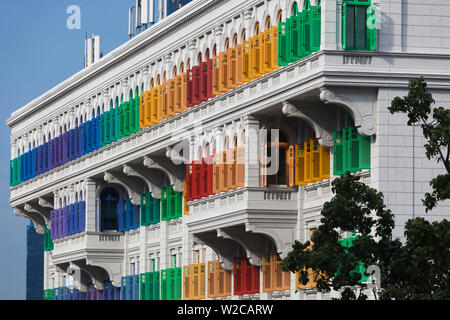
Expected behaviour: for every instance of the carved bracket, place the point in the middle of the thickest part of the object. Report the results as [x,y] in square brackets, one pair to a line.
[226,249]
[45,203]
[360,104]
[112,270]
[253,243]
[283,237]
[37,219]
[175,173]
[131,171]
[44,213]
[323,131]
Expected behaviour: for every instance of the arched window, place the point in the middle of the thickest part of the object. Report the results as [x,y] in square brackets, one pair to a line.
[98,110]
[214,50]
[109,198]
[158,80]
[257,28]
[182,67]
[235,40]
[306,5]
[111,105]
[244,35]
[207,54]
[279,16]
[76,197]
[117,101]
[294,9]
[81,195]
[188,64]
[136,92]
[268,24]
[93,114]
[152,83]
[227,44]
[174,71]
[199,58]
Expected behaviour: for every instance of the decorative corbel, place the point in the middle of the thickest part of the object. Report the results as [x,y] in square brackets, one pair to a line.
[359,103]
[323,132]
[154,190]
[175,173]
[37,220]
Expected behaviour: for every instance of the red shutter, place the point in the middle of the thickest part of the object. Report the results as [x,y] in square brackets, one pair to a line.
[190,93]
[209,79]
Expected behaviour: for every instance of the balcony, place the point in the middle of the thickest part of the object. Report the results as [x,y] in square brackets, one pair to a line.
[247,216]
[91,250]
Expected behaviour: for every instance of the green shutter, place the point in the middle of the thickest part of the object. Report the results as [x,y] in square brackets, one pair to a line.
[364,152]
[283,43]
[354,150]
[164,205]
[372,32]
[126,119]
[315,28]
[144,211]
[102,130]
[306,33]
[178,205]
[121,121]
[338,154]
[295,37]
[178,281]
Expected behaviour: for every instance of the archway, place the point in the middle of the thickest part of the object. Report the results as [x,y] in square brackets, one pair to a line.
[109,198]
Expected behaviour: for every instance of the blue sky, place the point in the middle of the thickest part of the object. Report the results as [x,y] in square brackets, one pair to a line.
[37,52]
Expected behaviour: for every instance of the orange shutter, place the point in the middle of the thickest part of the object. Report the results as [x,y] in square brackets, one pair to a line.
[185,203]
[223,172]
[156,118]
[232,68]
[187,288]
[267,273]
[171,98]
[246,62]
[164,101]
[274,62]
[240,166]
[324,162]
[223,72]
[211,279]
[142,111]
[300,165]
[308,178]
[290,164]
[239,56]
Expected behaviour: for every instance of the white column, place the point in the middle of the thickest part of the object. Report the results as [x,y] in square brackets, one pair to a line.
[251,127]
[164,250]
[330,25]
[92,221]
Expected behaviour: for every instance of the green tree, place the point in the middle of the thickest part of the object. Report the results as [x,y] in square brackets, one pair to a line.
[420,270]
[436,129]
[417,269]
[354,208]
